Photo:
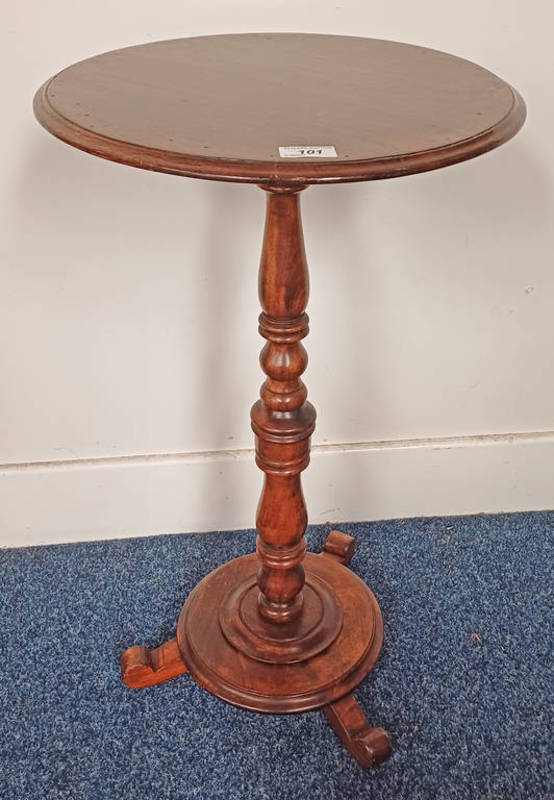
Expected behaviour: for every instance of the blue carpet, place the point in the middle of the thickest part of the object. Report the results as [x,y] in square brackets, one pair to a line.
[462,686]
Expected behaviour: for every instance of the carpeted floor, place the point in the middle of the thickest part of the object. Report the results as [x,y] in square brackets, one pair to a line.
[463,685]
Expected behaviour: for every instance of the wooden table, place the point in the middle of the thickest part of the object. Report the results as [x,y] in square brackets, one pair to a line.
[281,630]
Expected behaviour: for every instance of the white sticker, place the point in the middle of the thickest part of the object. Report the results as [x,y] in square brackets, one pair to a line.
[308,151]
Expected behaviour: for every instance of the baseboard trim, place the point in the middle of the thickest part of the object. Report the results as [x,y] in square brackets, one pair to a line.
[343,447]
[50,502]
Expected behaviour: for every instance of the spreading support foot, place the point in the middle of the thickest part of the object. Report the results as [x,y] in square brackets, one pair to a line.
[340,547]
[369,746]
[141,667]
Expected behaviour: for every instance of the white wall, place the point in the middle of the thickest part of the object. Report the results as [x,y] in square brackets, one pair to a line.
[128,344]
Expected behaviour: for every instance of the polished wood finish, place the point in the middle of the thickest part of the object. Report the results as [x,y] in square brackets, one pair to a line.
[282,420]
[278,642]
[141,667]
[369,746]
[281,630]
[220,107]
[306,684]
[340,547]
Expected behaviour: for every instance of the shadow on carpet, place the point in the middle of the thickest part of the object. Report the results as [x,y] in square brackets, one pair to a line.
[463,684]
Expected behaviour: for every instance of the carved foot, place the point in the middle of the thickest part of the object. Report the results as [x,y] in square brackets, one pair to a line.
[141,667]
[369,746]
[340,547]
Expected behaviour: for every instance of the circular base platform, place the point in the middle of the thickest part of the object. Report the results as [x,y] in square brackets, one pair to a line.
[317,626]
[307,683]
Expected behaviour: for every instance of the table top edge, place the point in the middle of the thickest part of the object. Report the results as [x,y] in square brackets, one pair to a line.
[275,172]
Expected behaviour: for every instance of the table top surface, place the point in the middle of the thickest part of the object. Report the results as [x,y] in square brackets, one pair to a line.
[222,107]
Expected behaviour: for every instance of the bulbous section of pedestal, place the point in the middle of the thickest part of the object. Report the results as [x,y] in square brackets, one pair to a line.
[321,657]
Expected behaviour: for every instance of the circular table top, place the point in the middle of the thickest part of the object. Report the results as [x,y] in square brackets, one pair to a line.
[345,108]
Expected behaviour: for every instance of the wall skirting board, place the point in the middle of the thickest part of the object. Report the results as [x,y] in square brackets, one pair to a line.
[84,499]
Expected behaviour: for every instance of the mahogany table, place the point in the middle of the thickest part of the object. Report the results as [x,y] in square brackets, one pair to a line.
[283,630]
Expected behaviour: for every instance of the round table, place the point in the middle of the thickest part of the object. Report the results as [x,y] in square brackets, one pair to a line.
[281,630]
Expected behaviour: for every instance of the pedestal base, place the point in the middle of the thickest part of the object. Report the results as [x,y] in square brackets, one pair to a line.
[222,669]
[325,675]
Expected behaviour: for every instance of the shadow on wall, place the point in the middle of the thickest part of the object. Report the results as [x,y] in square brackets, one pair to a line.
[451,232]
[226,329]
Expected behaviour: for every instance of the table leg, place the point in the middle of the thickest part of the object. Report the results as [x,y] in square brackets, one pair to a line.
[340,547]
[141,667]
[369,746]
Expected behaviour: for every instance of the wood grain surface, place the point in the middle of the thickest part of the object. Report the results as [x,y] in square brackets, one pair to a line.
[221,106]
[280,688]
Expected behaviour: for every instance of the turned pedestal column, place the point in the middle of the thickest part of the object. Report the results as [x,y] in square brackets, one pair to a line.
[295,631]
[280,630]
[282,419]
